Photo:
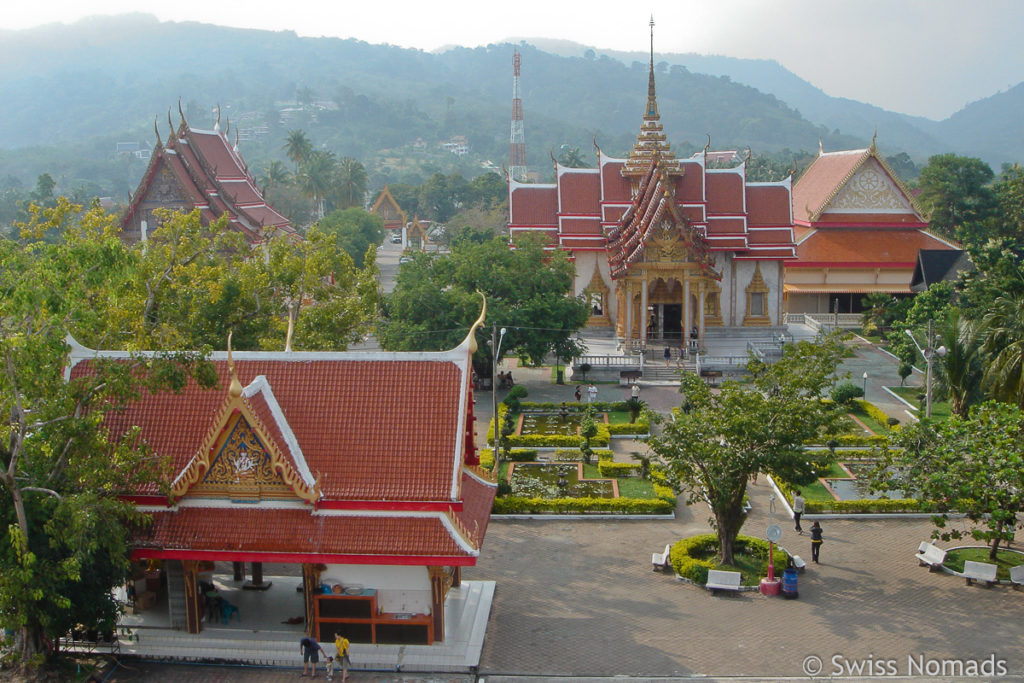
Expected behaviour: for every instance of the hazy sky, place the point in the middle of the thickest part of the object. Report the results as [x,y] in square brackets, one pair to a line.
[925,57]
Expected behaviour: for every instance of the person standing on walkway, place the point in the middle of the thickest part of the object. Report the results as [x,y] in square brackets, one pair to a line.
[635,391]
[311,652]
[668,356]
[579,393]
[341,643]
[591,393]
[798,509]
[816,540]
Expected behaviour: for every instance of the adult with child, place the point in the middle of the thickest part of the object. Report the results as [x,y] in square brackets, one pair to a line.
[311,652]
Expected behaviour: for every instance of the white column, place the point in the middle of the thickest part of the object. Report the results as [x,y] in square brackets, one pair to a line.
[643,312]
[686,311]
[629,313]
[700,313]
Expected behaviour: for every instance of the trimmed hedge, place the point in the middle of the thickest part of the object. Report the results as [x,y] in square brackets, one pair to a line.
[641,426]
[874,411]
[664,492]
[511,505]
[686,560]
[607,468]
[864,506]
[602,438]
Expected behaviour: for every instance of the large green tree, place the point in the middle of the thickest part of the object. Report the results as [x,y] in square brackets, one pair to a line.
[435,300]
[1002,333]
[355,230]
[955,191]
[973,465]
[65,535]
[718,440]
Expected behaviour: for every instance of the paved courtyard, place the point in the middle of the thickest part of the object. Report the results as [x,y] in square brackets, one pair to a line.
[578,599]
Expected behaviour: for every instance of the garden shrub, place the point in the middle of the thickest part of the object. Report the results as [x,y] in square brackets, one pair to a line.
[844,392]
[512,505]
[607,468]
[694,556]
[874,412]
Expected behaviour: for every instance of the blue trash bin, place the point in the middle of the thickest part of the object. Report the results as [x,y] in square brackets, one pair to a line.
[789,584]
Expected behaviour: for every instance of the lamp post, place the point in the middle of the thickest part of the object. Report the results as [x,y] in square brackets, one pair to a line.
[929,353]
[865,384]
[496,340]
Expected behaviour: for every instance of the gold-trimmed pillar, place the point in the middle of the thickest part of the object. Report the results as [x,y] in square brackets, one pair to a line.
[438,593]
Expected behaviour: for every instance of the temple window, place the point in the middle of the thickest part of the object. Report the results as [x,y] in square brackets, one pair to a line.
[757,300]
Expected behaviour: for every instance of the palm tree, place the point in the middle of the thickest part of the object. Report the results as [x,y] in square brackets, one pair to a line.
[1002,331]
[351,182]
[275,174]
[959,371]
[298,147]
[315,178]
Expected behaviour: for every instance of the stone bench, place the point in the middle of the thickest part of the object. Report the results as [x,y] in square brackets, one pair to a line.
[1017,575]
[719,580]
[930,556]
[798,563]
[979,571]
[660,561]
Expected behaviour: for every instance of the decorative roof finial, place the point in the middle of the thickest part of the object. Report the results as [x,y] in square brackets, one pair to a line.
[235,388]
[216,126]
[471,337]
[183,124]
[821,146]
[156,129]
[291,327]
[597,148]
[554,161]
[170,124]
[650,78]
[874,138]
[236,140]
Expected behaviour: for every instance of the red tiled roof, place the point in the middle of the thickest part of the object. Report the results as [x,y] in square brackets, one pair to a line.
[768,205]
[895,246]
[614,188]
[821,178]
[532,205]
[579,191]
[726,226]
[352,420]
[476,510]
[296,531]
[213,176]
[725,192]
[581,226]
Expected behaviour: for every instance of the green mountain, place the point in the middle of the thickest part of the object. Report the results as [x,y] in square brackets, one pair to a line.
[71,93]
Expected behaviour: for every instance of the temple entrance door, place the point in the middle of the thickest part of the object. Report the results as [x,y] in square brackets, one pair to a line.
[673,321]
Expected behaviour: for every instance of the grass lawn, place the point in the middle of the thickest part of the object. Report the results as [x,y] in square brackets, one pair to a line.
[1005,559]
[940,409]
[872,424]
[817,490]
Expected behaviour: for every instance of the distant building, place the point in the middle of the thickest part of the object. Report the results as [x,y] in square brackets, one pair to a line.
[457,145]
[388,209]
[665,248]
[938,265]
[199,169]
[858,230]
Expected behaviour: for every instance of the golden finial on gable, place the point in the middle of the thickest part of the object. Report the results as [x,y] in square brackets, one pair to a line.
[235,388]
[874,139]
[471,337]
[291,327]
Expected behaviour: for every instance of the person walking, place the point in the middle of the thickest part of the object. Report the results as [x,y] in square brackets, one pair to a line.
[341,643]
[798,509]
[578,393]
[311,652]
[816,541]
[591,393]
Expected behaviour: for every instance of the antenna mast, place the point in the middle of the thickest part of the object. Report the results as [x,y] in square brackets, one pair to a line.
[517,140]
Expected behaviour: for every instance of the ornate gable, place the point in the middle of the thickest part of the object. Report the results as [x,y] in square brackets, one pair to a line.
[240,460]
[870,190]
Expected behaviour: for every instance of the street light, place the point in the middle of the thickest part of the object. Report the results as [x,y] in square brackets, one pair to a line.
[496,350]
[865,384]
[929,354]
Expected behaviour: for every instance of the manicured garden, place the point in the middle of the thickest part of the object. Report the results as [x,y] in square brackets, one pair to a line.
[1005,560]
[693,557]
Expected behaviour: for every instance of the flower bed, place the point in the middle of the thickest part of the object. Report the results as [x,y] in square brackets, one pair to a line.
[693,557]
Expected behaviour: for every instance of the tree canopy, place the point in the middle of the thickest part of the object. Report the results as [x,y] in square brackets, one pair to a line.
[435,300]
[972,465]
[718,441]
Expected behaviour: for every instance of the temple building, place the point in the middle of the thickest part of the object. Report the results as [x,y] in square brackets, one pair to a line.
[664,247]
[200,169]
[858,229]
[390,212]
[320,461]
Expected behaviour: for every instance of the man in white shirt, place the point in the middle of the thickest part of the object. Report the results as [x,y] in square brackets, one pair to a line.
[798,509]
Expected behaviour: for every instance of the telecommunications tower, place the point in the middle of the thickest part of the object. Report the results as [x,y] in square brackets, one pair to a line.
[517,140]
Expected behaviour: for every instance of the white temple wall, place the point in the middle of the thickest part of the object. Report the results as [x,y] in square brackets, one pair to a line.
[399,589]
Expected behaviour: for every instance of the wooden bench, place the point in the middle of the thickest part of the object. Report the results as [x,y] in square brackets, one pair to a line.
[661,560]
[930,556]
[719,580]
[1017,575]
[980,571]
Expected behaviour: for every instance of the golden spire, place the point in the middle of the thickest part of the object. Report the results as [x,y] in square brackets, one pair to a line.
[651,143]
[235,388]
